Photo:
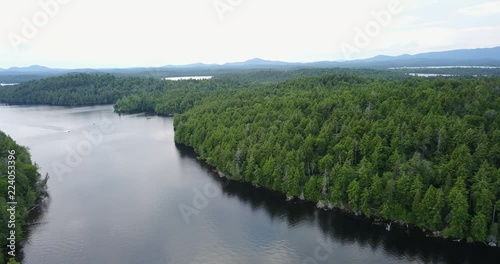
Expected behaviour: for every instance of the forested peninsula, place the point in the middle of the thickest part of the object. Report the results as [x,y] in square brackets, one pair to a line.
[23,190]
[424,152]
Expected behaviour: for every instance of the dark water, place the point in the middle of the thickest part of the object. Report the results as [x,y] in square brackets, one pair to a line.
[120,203]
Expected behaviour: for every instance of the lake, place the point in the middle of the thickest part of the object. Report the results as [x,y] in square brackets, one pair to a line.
[188,78]
[121,191]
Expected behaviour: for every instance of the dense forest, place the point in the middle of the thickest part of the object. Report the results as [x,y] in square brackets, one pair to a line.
[29,188]
[182,95]
[415,151]
[94,89]
[272,76]
[179,97]
[76,89]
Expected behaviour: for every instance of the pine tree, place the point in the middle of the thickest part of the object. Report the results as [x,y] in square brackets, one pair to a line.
[479,228]
[426,206]
[292,181]
[457,199]
[250,169]
[354,193]
[365,202]
[311,189]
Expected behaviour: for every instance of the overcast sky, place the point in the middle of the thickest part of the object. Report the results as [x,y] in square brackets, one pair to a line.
[112,33]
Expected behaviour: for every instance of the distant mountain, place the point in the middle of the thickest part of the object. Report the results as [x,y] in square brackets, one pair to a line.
[193,65]
[469,57]
[463,54]
[257,62]
[463,57]
[252,63]
[31,69]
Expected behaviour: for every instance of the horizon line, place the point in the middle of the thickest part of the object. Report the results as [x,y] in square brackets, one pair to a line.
[248,60]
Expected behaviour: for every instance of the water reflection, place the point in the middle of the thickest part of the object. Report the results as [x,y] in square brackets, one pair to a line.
[410,245]
[34,219]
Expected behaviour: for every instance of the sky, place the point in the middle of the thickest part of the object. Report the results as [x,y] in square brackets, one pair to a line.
[152,33]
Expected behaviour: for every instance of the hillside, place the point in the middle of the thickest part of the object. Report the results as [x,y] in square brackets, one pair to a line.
[421,152]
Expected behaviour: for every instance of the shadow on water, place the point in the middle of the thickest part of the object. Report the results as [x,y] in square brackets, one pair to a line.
[34,219]
[345,228]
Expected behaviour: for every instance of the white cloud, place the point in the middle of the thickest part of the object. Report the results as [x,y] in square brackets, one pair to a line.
[483,9]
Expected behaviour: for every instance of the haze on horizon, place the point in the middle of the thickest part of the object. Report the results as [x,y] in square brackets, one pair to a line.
[98,34]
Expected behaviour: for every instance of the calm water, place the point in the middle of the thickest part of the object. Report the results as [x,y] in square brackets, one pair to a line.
[188,78]
[120,203]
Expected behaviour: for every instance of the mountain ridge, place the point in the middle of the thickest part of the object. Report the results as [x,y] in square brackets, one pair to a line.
[472,57]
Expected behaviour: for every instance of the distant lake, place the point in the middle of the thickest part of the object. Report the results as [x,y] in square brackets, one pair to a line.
[117,199]
[431,75]
[445,67]
[188,78]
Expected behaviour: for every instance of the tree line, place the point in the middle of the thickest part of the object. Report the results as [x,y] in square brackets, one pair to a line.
[77,89]
[129,94]
[144,94]
[30,187]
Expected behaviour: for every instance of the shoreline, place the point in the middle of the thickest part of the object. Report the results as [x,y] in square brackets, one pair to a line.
[321,205]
